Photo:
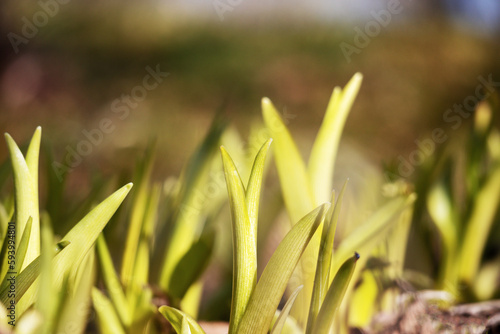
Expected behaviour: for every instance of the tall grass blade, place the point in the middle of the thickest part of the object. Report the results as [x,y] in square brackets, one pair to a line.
[26,192]
[334,297]
[478,226]
[112,282]
[324,151]
[255,184]
[175,317]
[272,284]
[108,320]
[244,243]
[280,322]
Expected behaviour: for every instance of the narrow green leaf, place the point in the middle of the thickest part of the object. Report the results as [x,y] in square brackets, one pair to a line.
[244,243]
[112,282]
[322,279]
[175,317]
[77,302]
[141,268]
[296,189]
[26,193]
[143,310]
[440,209]
[137,215]
[324,151]
[45,303]
[334,297]
[298,196]
[255,184]
[81,238]
[106,316]
[192,265]
[478,226]
[185,220]
[22,247]
[4,252]
[24,281]
[272,284]
[185,329]
[372,231]
[280,322]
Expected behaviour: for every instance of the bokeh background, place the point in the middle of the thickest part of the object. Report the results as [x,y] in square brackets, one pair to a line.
[229,53]
[65,64]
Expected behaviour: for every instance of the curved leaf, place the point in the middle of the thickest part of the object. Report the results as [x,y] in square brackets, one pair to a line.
[176,319]
[272,284]
[244,243]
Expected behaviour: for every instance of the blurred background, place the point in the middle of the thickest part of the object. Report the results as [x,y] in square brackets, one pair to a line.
[64,63]
[118,73]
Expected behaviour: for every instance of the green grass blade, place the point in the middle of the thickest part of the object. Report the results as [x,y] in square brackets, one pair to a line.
[322,276]
[4,253]
[76,307]
[175,317]
[296,189]
[22,248]
[185,329]
[298,196]
[185,221]
[142,261]
[372,231]
[45,304]
[334,297]
[280,322]
[323,154]
[244,243]
[26,193]
[255,184]
[478,226]
[24,281]
[192,265]
[84,234]
[112,282]
[81,238]
[272,284]
[137,215]
[107,319]
[440,208]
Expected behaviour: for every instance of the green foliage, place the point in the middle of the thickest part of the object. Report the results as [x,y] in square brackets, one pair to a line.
[462,199]
[171,236]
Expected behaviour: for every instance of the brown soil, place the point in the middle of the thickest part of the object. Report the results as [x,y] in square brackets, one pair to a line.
[422,317]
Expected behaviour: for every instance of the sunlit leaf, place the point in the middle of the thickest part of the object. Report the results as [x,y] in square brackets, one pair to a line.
[324,151]
[254,186]
[479,225]
[272,284]
[175,317]
[108,320]
[296,189]
[334,296]
[185,221]
[244,243]
[112,282]
[26,192]
[139,206]
[322,276]
[280,322]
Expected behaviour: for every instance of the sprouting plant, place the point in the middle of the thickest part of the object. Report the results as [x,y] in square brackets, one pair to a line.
[52,281]
[254,302]
[305,186]
[128,306]
[462,199]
